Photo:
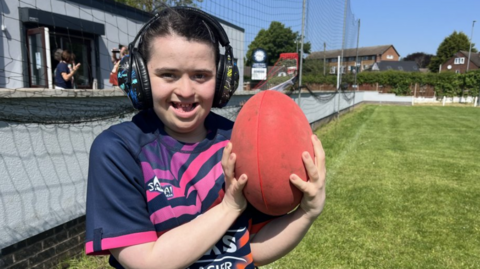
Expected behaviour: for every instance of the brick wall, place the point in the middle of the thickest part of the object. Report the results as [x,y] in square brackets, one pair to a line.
[46,249]
[390,52]
[458,68]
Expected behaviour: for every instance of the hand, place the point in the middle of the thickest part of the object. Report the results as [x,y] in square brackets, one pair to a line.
[234,198]
[76,67]
[314,189]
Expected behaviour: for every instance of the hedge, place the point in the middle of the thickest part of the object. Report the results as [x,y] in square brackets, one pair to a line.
[445,84]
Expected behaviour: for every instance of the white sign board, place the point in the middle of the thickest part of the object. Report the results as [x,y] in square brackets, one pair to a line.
[259,73]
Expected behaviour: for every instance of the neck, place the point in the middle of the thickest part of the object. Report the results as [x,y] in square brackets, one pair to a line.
[191,137]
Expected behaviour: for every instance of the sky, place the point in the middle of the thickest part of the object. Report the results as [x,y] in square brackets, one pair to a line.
[415,25]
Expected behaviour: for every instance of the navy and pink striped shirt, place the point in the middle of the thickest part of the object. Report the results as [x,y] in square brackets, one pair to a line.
[142,183]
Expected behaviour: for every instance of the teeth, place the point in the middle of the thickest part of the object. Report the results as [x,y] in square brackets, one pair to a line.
[184,106]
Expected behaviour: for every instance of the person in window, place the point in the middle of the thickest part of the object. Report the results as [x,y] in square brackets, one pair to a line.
[114,72]
[64,74]
[120,51]
[161,189]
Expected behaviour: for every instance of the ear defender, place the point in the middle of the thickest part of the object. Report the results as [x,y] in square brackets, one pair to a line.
[134,81]
[227,79]
[133,76]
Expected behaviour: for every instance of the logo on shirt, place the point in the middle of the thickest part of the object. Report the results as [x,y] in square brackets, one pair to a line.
[155,186]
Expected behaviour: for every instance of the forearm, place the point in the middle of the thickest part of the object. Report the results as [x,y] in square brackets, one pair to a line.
[183,245]
[280,236]
[68,76]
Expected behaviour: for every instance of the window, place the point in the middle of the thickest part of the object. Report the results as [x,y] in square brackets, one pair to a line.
[390,57]
[459,60]
[81,47]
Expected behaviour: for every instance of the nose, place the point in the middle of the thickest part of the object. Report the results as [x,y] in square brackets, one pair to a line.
[185,87]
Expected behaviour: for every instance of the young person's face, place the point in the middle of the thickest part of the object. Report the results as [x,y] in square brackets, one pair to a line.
[182,77]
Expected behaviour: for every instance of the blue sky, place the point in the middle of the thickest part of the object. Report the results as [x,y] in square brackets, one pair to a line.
[415,25]
[410,25]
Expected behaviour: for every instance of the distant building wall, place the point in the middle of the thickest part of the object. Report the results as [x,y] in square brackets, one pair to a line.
[96,26]
[389,55]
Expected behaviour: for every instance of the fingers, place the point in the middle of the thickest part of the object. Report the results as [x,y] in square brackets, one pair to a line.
[312,169]
[318,149]
[319,155]
[228,161]
[242,181]
[299,183]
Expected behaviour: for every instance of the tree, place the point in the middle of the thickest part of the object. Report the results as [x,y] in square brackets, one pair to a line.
[449,46]
[422,59]
[275,40]
[153,5]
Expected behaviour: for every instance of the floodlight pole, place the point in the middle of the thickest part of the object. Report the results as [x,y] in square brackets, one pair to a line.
[324,59]
[356,55]
[301,57]
[470,50]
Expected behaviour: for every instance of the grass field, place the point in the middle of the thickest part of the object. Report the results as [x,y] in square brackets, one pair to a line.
[403,191]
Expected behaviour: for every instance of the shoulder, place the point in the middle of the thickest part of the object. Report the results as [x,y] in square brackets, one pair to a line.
[62,66]
[220,124]
[132,135]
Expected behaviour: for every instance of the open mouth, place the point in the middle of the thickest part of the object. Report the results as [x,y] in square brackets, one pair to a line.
[184,106]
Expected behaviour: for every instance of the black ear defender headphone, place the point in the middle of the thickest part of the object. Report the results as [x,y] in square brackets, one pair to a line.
[133,76]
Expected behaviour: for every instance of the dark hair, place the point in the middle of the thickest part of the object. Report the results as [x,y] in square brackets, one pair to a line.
[67,56]
[182,23]
[58,55]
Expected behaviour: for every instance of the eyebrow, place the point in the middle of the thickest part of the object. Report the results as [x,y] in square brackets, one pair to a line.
[162,70]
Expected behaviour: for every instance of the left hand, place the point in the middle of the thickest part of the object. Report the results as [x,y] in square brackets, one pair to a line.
[314,189]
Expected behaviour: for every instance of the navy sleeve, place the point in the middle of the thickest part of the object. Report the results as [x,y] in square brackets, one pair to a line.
[63,68]
[117,214]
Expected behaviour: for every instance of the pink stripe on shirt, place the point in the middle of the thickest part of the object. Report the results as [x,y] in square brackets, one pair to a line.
[168,212]
[203,187]
[149,173]
[195,166]
[122,241]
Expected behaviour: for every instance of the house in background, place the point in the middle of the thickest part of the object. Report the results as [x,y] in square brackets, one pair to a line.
[407,66]
[367,56]
[458,62]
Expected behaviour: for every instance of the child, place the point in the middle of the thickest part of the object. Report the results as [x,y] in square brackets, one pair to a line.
[161,188]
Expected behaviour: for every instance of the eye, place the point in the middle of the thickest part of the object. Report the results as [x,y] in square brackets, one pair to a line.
[201,77]
[168,76]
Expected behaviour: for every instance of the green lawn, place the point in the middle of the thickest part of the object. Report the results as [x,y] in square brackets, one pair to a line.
[403,191]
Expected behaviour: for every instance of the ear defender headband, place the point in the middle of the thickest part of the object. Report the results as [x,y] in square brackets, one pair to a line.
[133,76]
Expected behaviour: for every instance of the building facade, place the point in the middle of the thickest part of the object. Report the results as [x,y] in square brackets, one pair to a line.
[34,30]
[367,56]
[459,61]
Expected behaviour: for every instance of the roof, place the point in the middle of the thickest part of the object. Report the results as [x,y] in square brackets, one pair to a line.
[364,51]
[408,66]
[474,57]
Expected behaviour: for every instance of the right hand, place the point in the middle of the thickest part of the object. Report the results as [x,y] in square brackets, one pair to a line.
[234,198]
[75,68]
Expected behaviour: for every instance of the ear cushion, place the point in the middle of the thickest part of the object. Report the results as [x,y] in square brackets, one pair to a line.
[227,81]
[220,80]
[143,81]
[134,81]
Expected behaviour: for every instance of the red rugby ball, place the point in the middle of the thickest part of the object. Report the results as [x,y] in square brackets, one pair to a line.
[269,136]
